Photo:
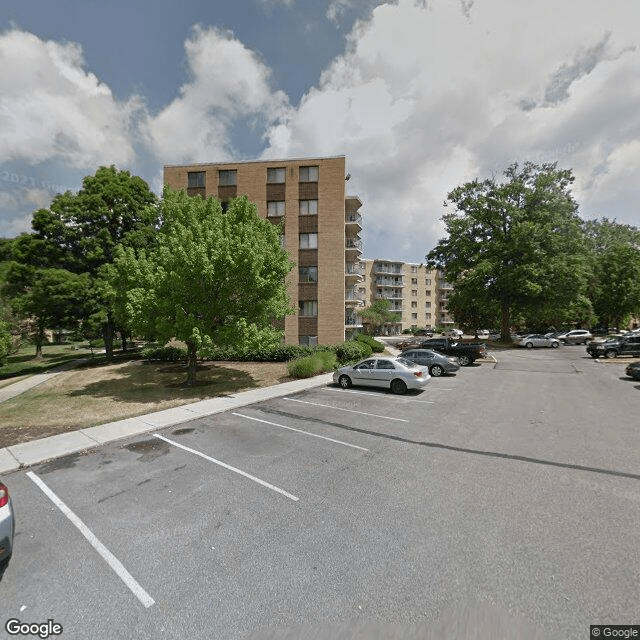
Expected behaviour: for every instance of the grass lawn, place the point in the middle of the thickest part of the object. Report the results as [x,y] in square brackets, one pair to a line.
[96,393]
[24,362]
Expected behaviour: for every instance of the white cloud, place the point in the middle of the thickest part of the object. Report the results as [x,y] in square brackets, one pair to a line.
[229,83]
[51,108]
[429,95]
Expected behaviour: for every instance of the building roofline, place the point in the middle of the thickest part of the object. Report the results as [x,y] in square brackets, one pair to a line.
[274,160]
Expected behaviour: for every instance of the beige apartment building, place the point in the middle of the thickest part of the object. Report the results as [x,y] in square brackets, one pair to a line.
[321,232]
[419,294]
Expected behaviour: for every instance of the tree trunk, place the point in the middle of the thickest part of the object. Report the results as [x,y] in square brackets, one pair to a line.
[191,364]
[505,329]
[123,336]
[39,339]
[107,333]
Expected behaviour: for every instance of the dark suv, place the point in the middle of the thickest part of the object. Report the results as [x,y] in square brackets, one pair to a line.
[624,346]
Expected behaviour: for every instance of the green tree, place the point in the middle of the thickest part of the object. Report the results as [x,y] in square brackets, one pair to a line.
[615,251]
[516,244]
[54,298]
[377,315]
[80,231]
[212,279]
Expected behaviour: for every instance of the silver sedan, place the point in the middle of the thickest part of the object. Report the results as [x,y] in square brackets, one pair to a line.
[538,340]
[396,374]
[437,364]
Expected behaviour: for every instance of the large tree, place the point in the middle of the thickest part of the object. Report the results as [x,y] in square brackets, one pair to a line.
[212,278]
[615,251]
[516,244]
[80,231]
[378,314]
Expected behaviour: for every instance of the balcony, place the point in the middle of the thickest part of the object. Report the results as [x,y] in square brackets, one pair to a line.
[389,282]
[445,286]
[353,244]
[352,321]
[386,269]
[353,218]
[390,295]
[354,269]
[354,298]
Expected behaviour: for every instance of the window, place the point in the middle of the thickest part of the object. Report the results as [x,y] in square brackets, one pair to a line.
[195,179]
[427,305]
[308,240]
[367,364]
[308,340]
[414,304]
[414,292]
[308,307]
[414,280]
[308,274]
[385,364]
[427,293]
[427,316]
[276,176]
[308,174]
[414,316]
[308,207]
[414,269]
[275,208]
[227,177]
[427,281]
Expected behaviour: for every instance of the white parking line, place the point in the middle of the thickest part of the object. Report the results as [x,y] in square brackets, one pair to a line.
[229,467]
[306,433]
[107,556]
[368,393]
[328,406]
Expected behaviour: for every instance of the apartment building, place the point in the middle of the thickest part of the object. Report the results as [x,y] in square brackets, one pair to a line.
[417,293]
[321,232]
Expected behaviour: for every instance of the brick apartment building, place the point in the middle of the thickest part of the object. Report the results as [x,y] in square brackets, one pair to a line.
[321,232]
[418,293]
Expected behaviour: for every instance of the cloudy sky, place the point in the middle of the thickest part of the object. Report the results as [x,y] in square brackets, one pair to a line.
[420,95]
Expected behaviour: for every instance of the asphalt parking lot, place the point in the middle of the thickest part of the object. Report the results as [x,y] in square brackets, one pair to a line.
[513,483]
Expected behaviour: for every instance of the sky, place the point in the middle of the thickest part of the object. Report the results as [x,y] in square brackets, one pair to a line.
[419,95]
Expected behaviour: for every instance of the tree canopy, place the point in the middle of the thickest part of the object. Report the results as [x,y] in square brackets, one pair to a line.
[516,246]
[212,278]
[378,314]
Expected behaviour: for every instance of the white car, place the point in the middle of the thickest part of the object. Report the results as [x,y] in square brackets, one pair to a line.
[537,340]
[483,333]
[396,374]
[453,333]
[7,528]
[576,336]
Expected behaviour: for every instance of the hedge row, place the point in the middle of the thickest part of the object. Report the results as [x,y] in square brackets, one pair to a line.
[345,352]
[376,347]
[312,365]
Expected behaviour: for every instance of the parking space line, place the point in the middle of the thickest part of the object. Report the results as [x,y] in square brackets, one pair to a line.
[306,433]
[328,406]
[107,556]
[229,467]
[368,393]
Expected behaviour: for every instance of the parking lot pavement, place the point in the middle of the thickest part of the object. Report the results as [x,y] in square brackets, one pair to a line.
[324,505]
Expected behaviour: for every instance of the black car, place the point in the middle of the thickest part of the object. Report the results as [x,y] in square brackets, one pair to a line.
[623,346]
[633,370]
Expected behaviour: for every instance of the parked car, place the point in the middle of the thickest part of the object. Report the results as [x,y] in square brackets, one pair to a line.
[409,343]
[397,374]
[466,353]
[633,370]
[537,340]
[614,347]
[7,528]
[452,333]
[482,333]
[423,332]
[437,363]
[576,336]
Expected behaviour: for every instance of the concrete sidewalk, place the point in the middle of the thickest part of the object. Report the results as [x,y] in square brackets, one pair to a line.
[29,453]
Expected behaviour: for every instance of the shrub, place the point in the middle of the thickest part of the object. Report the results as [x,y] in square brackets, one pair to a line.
[311,365]
[164,354]
[376,347]
[352,351]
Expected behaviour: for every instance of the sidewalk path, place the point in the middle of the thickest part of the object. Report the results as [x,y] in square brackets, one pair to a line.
[15,389]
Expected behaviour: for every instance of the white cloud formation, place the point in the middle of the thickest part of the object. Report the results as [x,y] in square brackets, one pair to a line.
[51,108]
[228,83]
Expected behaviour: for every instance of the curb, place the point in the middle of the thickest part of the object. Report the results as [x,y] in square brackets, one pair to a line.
[19,456]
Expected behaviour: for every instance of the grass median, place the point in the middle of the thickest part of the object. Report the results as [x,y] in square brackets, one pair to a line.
[97,393]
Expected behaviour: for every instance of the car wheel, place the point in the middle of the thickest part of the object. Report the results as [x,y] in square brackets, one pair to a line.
[398,386]
[529,345]
[555,345]
[436,371]
[464,361]
[610,353]
[344,382]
